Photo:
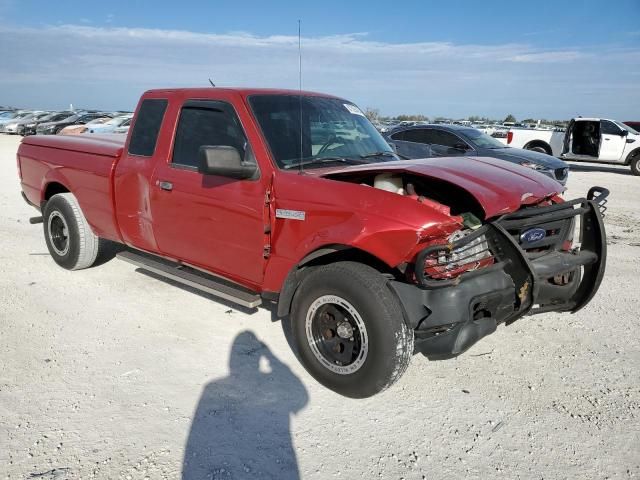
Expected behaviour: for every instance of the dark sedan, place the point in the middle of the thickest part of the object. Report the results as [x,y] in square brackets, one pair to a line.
[453,140]
[52,128]
[30,128]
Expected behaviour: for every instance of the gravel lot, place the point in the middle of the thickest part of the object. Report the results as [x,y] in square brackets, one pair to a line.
[112,373]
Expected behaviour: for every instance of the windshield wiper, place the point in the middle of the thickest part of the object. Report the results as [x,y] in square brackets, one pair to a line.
[322,160]
[378,154]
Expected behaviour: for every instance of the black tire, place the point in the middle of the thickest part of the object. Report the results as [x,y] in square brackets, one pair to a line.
[70,240]
[635,164]
[376,325]
[539,149]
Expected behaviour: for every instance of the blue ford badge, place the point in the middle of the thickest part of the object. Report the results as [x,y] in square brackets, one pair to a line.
[533,235]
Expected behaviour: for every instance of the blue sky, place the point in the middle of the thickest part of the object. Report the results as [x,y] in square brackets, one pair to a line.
[455,58]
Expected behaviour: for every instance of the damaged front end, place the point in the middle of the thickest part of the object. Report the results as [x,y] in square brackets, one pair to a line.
[520,263]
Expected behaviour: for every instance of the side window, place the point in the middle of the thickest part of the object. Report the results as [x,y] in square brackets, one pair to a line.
[398,136]
[446,139]
[609,128]
[207,123]
[417,135]
[147,127]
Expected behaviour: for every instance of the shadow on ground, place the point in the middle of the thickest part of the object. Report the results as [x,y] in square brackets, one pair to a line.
[241,427]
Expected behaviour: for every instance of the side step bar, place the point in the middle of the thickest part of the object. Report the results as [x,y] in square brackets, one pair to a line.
[194,278]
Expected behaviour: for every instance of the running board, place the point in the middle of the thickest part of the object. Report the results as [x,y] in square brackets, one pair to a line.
[204,282]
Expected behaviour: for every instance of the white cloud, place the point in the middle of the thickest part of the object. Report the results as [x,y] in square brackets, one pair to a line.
[108,67]
[548,57]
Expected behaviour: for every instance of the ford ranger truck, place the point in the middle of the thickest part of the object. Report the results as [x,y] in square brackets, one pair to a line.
[293,200]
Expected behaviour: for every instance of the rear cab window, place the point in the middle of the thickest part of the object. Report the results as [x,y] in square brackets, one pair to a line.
[147,126]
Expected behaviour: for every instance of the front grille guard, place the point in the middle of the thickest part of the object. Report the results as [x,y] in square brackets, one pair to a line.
[509,256]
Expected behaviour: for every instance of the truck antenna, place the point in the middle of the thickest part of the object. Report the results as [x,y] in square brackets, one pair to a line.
[212,84]
[300,89]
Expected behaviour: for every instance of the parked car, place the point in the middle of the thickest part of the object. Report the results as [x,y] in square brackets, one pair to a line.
[455,140]
[80,118]
[30,127]
[585,139]
[367,258]
[11,117]
[124,128]
[77,129]
[634,125]
[17,126]
[109,126]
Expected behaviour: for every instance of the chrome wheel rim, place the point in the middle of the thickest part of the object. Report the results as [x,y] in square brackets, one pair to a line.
[336,334]
[58,233]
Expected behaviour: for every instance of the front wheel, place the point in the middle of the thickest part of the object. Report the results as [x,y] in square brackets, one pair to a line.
[348,329]
[70,240]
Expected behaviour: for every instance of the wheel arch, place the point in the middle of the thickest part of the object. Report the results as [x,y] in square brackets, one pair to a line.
[632,154]
[538,143]
[53,188]
[323,256]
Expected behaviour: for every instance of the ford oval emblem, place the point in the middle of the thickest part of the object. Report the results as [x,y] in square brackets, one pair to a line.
[533,235]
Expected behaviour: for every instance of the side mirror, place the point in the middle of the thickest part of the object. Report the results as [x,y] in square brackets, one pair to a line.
[224,161]
[624,133]
[461,146]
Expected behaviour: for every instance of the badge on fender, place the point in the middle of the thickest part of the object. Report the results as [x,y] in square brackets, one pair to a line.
[290,214]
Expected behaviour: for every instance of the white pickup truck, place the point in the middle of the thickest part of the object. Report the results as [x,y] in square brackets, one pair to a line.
[586,139]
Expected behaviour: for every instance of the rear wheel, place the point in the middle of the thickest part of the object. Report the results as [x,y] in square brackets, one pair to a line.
[635,164]
[538,148]
[70,240]
[348,329]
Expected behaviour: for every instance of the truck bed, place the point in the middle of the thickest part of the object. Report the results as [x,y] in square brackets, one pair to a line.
[85,162]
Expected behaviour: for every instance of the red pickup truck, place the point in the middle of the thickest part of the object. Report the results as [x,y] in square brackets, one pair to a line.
[293,200]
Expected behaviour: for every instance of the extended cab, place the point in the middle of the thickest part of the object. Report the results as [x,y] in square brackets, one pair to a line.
[586,139]
[294,200]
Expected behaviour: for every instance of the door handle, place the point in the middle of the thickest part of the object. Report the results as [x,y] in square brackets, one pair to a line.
[168,186]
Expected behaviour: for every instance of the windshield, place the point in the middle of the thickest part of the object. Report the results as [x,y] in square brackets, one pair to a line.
[626,127]
[331,130]
[480,139]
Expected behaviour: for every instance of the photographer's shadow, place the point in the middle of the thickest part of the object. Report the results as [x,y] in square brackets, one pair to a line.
[241,428]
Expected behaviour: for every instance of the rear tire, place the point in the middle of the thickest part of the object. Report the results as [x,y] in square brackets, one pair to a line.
[348,329]
[539,149]
[635,164]
[70,240]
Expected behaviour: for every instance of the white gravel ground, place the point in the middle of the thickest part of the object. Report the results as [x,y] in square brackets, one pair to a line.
[102,372]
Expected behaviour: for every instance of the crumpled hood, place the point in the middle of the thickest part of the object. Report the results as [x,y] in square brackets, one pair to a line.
[498,186]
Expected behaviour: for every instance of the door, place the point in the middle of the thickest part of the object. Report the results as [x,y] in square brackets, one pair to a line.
[430,142]
[446,144]
[212,222]
[568,138]
[612,143]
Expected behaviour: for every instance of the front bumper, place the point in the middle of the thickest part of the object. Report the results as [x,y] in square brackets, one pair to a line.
[449,316]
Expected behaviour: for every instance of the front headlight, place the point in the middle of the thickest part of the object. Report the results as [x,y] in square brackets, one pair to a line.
[474,251]
[534,166]
[458,256]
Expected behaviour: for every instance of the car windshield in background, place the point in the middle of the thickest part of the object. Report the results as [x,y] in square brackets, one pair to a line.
[626,127]
[331,131]
[480,139]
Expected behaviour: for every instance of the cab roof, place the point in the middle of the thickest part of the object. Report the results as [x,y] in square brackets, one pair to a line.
[243,91]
